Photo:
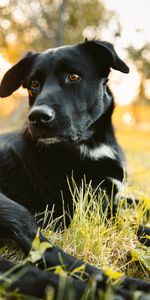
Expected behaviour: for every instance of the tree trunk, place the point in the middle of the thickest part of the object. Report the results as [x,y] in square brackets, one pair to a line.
[61,24]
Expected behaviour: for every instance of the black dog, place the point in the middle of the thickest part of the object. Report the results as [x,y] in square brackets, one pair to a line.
[69,133]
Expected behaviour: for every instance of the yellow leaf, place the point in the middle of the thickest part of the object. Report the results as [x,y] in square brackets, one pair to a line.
[135,255]
[59,270]
[113,274]
[38,249]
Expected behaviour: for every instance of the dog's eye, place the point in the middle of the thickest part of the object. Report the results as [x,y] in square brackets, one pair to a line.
[35,84]
[73,77]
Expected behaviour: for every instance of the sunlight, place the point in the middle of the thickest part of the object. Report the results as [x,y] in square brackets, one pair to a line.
[134,20]
[3,3]
[125,87]
[128,119]
[4,65]
[147,88]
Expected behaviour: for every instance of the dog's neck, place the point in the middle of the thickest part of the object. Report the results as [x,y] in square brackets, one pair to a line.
[103,143]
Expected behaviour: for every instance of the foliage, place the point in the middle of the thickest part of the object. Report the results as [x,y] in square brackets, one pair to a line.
[141,58]
[44,23]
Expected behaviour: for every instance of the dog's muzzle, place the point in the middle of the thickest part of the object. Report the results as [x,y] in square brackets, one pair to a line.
[43,127]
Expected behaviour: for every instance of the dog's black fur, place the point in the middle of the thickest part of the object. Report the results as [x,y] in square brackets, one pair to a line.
[69,133]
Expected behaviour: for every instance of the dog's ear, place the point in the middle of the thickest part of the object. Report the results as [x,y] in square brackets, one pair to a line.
[105,53]
[14,77]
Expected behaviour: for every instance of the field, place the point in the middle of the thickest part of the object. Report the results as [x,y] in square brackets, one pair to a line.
[136,145]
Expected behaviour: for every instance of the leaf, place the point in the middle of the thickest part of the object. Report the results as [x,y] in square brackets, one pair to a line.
[145,259]
[59,270]
[135,255]
[113,274]
[142,257]
[38,249]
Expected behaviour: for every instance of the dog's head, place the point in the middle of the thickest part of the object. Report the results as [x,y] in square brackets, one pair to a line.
[67,89]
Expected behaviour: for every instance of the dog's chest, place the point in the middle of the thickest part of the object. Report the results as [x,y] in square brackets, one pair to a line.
[52,173]
[36,176]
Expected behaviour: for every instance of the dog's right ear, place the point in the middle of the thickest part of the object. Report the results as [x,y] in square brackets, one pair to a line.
[105,55]
[14,77]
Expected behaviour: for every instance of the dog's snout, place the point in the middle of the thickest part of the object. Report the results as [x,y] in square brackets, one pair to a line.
[41,115]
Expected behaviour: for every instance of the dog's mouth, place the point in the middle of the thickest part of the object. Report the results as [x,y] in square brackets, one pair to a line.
[58,140]
[47,138]
[43,137]
[48,141]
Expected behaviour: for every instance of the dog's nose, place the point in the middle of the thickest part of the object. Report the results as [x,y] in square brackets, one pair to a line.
[41,115]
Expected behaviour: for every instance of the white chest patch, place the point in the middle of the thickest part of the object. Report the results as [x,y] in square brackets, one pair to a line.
[98,152]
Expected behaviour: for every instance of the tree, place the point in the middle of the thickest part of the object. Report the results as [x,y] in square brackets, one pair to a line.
[40,24]
[141,58]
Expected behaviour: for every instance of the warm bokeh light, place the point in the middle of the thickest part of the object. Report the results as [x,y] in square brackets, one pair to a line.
[4,65]
[134,21]
[147,88]
[125,87]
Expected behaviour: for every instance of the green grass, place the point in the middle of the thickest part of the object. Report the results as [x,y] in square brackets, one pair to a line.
[110,245]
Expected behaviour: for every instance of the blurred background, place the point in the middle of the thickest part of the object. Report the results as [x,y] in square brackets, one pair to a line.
[40,24]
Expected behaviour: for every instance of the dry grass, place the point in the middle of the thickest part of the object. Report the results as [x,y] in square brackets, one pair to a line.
[111,245]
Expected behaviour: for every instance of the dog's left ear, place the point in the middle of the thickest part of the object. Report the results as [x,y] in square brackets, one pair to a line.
[105,53]
[14,77]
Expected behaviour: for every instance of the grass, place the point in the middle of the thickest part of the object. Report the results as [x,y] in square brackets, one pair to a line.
[110,245]
[107,244]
